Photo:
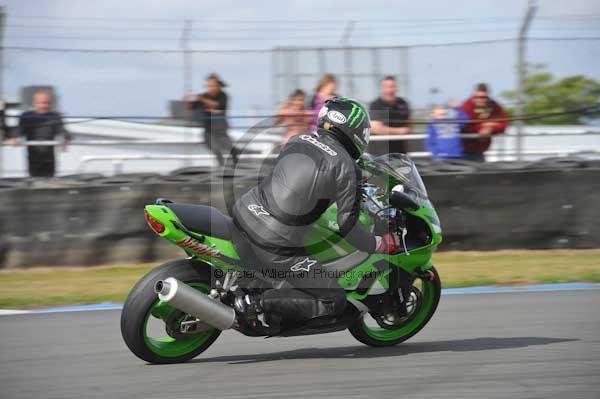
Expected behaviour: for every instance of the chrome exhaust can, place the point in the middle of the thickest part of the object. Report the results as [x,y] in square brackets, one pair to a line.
[193,302]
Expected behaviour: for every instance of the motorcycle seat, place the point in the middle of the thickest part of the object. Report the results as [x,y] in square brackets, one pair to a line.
[203,219]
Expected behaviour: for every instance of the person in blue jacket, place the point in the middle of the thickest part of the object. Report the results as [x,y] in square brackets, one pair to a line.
[444,139]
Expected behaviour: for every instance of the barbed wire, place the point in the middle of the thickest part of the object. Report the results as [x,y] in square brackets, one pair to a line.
[233,38]
[581,38]
[417,29]
[248,38]
[132,51]
[290,48]
[300,20]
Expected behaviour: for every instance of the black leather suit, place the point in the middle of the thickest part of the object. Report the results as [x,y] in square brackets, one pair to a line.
[312,172]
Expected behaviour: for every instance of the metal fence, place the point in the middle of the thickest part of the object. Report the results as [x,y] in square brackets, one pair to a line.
[140,76]
[358,69]
[260,79]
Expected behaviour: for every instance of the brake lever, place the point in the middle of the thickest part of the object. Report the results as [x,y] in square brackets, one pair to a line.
[404,232]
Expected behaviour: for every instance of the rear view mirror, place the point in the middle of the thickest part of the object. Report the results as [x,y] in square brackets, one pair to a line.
[402,200]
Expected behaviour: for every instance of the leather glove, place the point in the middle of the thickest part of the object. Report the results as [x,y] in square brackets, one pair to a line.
[387,244]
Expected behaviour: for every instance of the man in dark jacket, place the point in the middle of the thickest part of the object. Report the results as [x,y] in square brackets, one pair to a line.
[481,107]
[211,110]
[312,172]
[41,124]
[3,129]
[389,114]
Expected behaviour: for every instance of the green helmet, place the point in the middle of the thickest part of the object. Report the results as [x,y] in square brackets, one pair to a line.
[348,118]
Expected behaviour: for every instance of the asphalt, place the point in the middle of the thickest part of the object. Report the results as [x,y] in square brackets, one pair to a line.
[510,345]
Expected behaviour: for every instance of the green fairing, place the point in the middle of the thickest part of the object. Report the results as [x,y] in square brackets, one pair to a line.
[172,233]
[323,240]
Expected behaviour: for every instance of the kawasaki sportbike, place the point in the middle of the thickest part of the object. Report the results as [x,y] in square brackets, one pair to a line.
[179,309]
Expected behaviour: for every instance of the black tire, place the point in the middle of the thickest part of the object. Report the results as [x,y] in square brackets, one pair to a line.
[141,299]
[357,329]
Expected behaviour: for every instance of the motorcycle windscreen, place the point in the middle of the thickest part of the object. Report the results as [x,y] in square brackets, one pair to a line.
[401,168]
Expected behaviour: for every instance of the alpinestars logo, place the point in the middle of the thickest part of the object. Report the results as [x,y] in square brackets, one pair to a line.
[303,265]
[317,143]
[258,210]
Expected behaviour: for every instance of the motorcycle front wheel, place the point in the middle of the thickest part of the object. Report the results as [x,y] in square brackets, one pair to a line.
[423,302]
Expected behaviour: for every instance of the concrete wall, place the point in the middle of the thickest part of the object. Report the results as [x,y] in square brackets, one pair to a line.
[69,222]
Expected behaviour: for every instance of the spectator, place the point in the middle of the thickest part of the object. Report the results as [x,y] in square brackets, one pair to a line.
[389,115]
[41,124]
[294,116]
[211,110]
[443,139]
[3,129]
[481,107]
[324,91]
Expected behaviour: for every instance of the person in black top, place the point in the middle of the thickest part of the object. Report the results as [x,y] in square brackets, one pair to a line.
[210,109]
[41,124]
[3,129]
[313,171]
[389,114]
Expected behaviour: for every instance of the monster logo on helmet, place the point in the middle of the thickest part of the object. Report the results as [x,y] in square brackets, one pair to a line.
[347,119]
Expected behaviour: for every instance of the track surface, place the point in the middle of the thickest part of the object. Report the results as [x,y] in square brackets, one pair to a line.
[525,345]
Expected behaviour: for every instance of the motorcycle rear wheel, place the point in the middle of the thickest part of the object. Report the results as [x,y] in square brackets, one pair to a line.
[142,305]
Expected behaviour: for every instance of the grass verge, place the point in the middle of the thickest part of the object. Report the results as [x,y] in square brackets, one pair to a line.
[44,286]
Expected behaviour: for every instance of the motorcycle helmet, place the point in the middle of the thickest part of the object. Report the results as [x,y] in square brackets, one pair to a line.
[349,121]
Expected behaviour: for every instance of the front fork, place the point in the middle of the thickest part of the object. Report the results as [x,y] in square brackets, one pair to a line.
[400,284]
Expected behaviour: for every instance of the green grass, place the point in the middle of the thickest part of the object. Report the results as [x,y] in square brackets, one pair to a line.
[44,286]
[463,269]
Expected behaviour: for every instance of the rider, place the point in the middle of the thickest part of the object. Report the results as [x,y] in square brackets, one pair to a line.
[312,172]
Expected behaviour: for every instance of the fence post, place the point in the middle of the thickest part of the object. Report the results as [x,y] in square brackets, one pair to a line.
[376,67]
[404,79]
[275,94]
[2,102]
[187,78]
[522,72]
[345,41]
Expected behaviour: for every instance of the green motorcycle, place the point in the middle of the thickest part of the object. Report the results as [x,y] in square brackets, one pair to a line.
[178,310]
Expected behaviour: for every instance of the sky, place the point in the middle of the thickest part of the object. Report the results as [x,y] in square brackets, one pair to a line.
[105,84]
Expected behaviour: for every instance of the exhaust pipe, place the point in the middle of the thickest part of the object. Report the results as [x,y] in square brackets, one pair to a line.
[191,301]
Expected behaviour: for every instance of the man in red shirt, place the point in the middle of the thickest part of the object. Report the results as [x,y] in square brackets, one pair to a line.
[481,107]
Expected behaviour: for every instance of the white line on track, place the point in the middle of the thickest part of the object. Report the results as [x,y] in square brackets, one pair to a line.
[446,291]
